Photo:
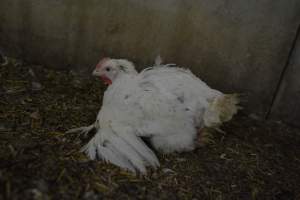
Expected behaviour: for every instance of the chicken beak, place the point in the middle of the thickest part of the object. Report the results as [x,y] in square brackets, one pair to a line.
[96,73]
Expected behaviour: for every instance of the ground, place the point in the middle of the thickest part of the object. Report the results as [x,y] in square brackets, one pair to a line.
[254,159]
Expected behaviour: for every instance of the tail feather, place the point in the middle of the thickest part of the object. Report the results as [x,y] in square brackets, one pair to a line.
[158,60]
[228,106]
[221,110]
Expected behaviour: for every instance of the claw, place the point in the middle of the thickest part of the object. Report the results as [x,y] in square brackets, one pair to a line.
[82,130]
[204,137]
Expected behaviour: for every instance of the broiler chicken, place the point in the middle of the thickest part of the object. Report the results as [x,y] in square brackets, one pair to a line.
[165,104]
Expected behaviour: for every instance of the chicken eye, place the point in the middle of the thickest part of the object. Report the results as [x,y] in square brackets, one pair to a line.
[107,69]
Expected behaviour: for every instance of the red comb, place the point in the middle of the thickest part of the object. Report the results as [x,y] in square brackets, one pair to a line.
[103,60]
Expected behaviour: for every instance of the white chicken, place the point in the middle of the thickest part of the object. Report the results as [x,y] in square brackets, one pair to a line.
[166,104]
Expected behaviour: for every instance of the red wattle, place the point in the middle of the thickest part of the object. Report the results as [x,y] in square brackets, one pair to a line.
[106,80]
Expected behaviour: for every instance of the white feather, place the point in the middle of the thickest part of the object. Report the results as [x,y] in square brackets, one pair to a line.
[166,104]
[158,60]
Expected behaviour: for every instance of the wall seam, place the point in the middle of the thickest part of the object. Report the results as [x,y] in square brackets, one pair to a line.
[283,72]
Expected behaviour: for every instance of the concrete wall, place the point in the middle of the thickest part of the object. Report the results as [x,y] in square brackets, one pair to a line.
[234,45]
[287,102]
